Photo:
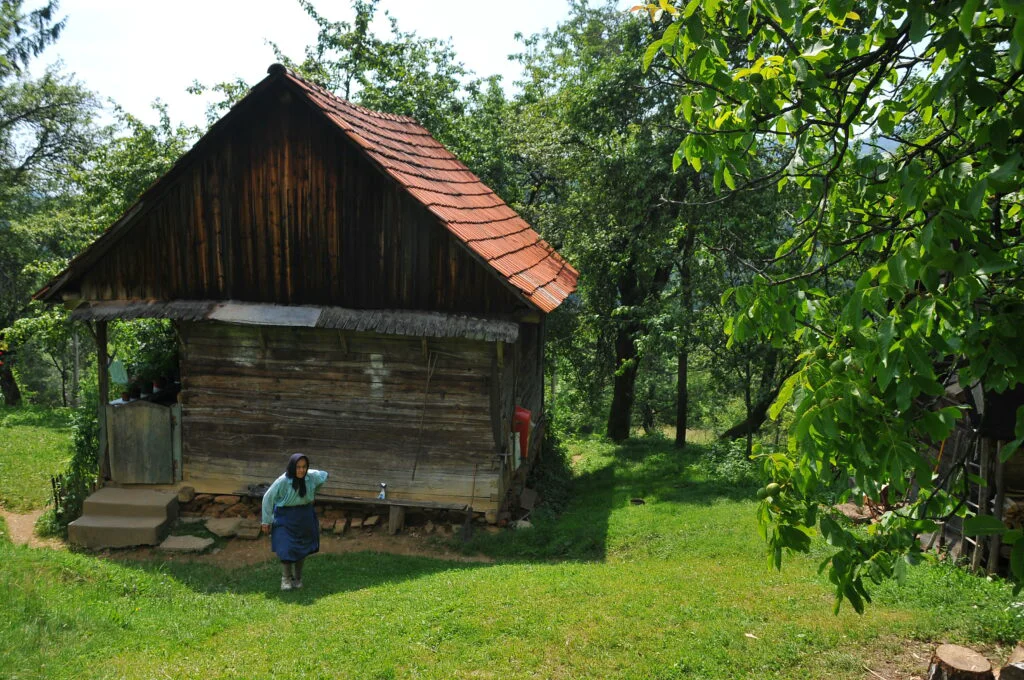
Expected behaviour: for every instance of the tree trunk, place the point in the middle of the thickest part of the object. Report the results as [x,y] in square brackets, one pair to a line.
[747,399]
[620,415]
[953,662]
[682,395]
[682,368]
[9,386]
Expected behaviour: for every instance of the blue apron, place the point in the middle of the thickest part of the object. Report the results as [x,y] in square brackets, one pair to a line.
[296,532]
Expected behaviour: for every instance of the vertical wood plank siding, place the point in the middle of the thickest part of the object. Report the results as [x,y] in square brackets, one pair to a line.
[251,396]
[282,207]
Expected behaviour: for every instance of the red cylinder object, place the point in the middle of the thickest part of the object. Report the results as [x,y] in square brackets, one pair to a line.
[521,425]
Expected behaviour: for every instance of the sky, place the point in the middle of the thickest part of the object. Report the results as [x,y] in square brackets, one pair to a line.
[135,51]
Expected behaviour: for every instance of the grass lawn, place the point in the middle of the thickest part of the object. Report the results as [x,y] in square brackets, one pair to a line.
[34,444]
[674,588]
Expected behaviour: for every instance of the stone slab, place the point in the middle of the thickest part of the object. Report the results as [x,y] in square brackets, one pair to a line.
[371,521]
[185,544]
[249,529]
[186,494]
[225,526]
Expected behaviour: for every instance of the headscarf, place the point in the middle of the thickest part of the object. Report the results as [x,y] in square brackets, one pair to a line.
[298,483]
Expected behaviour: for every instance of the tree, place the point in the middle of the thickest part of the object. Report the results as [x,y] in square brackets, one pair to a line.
[45,124]
[902,124]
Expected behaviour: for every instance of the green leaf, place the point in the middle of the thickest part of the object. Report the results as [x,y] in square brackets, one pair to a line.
[1017,561]
[727,176]
[649,55]
[1007,450]
[966,18]
[983,525]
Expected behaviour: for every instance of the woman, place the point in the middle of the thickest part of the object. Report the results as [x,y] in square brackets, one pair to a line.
[288,507]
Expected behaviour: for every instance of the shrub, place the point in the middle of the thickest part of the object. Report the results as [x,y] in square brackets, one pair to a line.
[727,461]
[551,475]
[79,478]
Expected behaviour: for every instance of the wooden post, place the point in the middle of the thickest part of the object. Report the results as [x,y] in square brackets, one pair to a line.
[396,519]
[996,542]
[75,365]
[103,369]
[979,545]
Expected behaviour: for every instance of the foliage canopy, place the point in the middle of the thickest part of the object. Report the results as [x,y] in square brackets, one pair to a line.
[902,123]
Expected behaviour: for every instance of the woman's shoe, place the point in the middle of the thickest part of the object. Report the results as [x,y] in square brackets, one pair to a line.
[297,583]
[286,583]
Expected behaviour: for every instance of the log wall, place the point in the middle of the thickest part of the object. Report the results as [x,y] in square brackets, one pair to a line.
[282,207]
[368,408]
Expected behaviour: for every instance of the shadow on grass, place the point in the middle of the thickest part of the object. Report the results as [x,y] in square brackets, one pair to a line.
[324,575]
[609,479]
[35,416]
[654,470]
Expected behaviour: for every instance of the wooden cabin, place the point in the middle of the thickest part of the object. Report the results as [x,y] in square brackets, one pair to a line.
[341,285]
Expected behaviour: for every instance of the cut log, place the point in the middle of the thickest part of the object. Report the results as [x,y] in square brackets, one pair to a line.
[1014,668]
[953,662]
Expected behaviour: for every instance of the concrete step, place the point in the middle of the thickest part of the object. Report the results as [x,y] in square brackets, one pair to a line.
[113,531]
[113,501]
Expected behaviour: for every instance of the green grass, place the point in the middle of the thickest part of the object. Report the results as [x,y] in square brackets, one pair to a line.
[34,445]
[673,588]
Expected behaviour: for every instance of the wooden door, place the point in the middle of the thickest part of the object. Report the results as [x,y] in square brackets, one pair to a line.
[141,438]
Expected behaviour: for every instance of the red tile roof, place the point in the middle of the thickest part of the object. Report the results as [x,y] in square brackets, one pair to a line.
[471,211]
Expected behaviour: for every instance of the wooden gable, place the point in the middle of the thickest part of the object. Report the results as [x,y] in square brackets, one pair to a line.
[281,207]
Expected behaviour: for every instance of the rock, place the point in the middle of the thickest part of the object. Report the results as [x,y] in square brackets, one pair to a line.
[371,521]
[522,524]
[236,510]
[491,516]
[226,499]
[339,526]
[327,525]
[191,514]
[492,529]
[202,499]
[429,527]
[191,518]
[249,529]
[225,527]
[185,544]
[186,494]
[356,523]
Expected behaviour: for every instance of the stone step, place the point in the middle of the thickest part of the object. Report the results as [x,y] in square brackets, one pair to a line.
[112,501]
[114,531]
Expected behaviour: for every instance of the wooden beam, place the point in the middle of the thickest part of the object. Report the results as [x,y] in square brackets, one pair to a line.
[501,354]
[103,362]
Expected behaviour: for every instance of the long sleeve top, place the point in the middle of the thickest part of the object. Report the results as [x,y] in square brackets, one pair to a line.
[281,493]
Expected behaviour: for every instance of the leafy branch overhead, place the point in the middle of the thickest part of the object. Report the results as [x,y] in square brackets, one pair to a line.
[902,124]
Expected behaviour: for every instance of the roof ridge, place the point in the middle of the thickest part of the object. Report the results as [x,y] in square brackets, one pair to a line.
[330,95]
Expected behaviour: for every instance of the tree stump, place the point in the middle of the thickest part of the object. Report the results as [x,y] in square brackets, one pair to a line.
[953,662]
[1014,668]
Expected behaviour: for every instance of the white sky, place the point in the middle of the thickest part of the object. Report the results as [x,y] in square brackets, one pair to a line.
[134,51]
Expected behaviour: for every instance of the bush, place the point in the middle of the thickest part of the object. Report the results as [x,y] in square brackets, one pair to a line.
[727,461]
[551,475]
[79,478]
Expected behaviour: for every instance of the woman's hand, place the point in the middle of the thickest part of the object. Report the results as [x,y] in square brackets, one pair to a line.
[265,528]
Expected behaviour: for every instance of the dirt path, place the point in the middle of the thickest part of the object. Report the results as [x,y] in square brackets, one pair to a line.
[22,528]
[239,552]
